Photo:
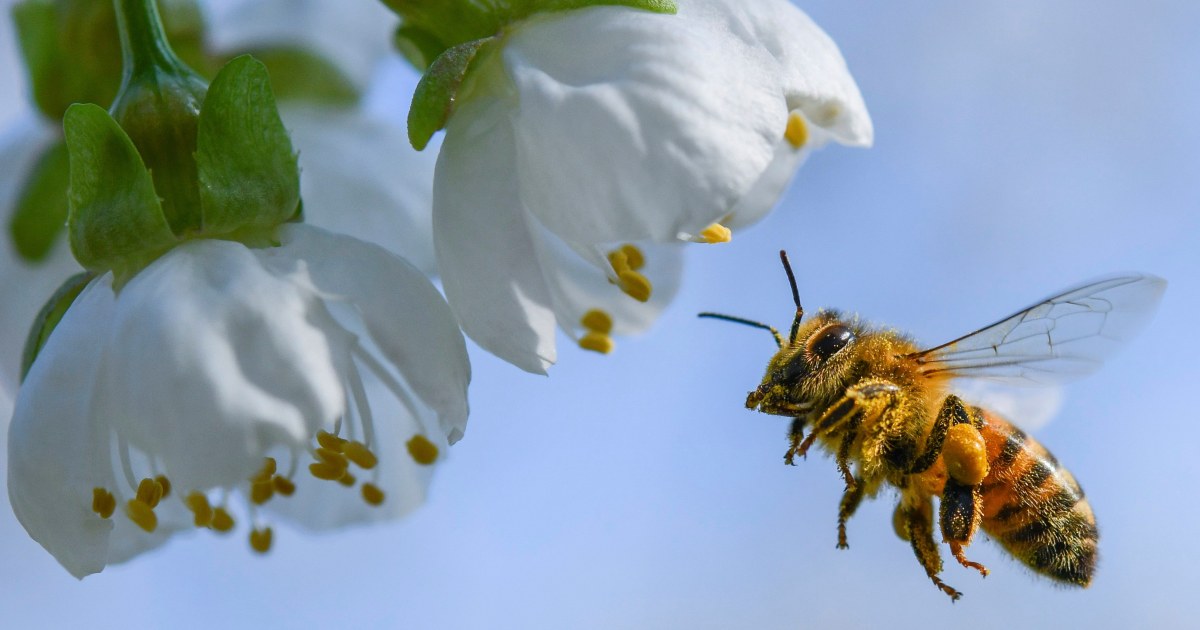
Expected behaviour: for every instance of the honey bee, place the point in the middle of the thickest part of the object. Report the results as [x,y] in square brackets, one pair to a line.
[883,407]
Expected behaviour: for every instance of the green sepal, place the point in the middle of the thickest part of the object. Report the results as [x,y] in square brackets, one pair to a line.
[115,220]
[433,100]
[52,313]
[297,74]
[41,209]
[249,176]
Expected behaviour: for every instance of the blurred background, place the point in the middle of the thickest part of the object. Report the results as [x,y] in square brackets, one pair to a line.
[1021,147]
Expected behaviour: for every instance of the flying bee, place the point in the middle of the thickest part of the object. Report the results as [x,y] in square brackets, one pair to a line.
[882,406]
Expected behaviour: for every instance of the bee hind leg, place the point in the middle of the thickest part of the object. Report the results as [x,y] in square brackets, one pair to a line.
[917,523]
[961,511]
[851,499]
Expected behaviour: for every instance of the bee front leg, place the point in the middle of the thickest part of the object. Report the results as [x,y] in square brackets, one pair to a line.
[914,523]
[795,437]
[869,398]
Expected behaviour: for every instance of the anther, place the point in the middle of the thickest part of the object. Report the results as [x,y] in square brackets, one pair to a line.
[103,502]
[283,485]
[221,520]
[372,494]
[716,233]
[422,450]
[326,471]
[198,504]
[260,539]
[634,284]
[165,484]
[268,469]
[633,256]
[332,457]
[330,441]
[596,342]
[597,320]
[149,492]
[619,261]
[347,480]
[362,456]
[141,514]
[797,130]
[261,491]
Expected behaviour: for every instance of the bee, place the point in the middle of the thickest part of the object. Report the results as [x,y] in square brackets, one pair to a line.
[883,407]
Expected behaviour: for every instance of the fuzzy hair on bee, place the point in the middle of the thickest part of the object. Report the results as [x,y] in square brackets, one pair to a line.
[885,409]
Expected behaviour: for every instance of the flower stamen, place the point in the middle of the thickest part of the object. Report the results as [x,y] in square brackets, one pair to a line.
[358,453]
[260,539]
[103,502]
[422,450]
[716,233]
[141,514]
[197,502]
[221,520]
[797,130]
[372,494]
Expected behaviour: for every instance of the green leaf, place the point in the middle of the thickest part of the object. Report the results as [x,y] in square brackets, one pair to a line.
[249,177]
[41,209]
[433,101]
[655,6]
[299,74]
[52,313]
[115,219]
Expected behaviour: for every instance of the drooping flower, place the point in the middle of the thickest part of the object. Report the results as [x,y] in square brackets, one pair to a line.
[222,371]
[589,134]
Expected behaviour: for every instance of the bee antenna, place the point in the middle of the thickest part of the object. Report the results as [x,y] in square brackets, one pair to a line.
[795,295]
[747,322]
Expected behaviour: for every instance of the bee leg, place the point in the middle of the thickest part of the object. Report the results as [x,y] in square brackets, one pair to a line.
[843,454]
[851,499]
[873,396]
[917,524]
[948,415]
[795,437]
[960,513]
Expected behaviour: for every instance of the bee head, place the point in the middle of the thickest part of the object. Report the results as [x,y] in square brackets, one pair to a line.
[812,369]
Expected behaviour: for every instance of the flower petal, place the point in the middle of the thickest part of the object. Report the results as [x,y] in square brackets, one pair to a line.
[407,318]
[362,178]
[484,248]
[352,35]
[212,360]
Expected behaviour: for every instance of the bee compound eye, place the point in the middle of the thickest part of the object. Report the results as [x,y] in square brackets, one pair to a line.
[829,340]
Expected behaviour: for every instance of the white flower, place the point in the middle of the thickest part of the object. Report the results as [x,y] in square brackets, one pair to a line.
[603,126]
[215,358]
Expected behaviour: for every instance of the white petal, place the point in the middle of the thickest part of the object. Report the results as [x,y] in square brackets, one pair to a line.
[212,360]
[58,450]
[361,177]
[636,126]
[25,287]
[484,249]
[352,35]
[407,318]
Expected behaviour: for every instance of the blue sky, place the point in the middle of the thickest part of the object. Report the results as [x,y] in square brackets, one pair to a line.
[1020,147]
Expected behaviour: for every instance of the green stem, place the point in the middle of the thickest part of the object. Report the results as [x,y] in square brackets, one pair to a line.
[144,45]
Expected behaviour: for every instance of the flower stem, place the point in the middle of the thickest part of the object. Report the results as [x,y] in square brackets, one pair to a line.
[144,45]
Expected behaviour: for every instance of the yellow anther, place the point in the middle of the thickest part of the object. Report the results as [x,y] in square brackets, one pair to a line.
[165,484]
[326,471]
[965,454]
[358,453]
[422,450]
[264,473]
[283,485]
[260,539]
[619,261]
[330,441]
[198,504]
[347,480]
[261,491]
[332,457]
[635,285]
[633,256]
[598,321]
[149,492]
[596,342]
[221,520]
[372,494]
[797,130]
[716,233]
[103,502]
[141,514]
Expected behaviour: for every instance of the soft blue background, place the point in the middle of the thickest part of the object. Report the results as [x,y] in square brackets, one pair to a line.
[1021,146]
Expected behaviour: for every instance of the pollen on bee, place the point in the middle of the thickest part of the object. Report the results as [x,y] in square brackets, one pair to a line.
[716,233]
[796,132]
[422,450]
[103,502]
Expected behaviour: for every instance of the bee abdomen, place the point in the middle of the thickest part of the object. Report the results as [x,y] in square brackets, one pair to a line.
[1035,508]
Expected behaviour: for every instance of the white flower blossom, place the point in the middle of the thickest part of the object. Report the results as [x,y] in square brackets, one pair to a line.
[593,129]
[220,371]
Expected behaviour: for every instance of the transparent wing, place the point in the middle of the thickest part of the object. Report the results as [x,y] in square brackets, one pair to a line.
[1056,340]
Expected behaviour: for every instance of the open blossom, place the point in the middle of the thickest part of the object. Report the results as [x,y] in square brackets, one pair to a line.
[590,139]
[222,371]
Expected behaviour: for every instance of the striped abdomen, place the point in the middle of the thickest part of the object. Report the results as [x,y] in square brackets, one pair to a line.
[1034,507]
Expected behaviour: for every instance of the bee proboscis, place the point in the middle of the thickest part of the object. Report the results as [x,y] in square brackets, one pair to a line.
[884,408]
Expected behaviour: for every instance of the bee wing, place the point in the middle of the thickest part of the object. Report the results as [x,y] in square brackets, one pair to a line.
[1056,340]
